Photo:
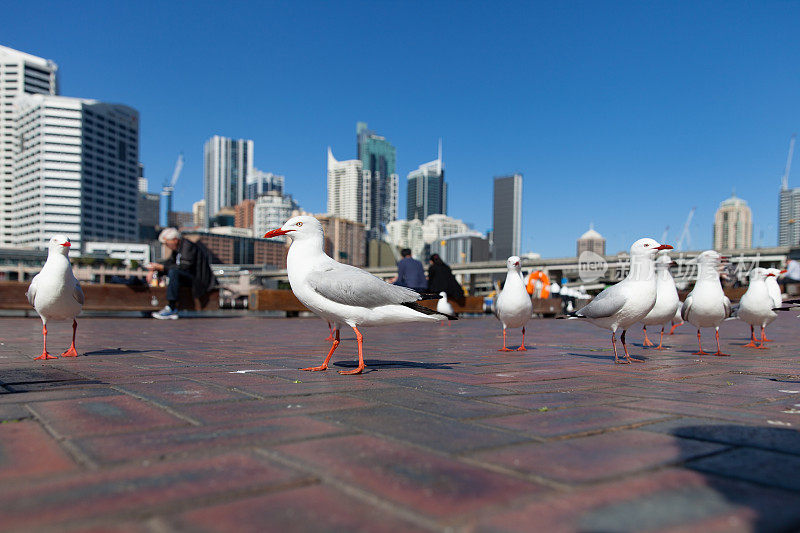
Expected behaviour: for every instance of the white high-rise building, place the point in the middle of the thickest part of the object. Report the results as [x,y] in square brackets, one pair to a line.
[228,163]
[260,182]
[436,227]
[75,171]
[199,213]
[348,190]
[20,74]
[406,234]
[271,211]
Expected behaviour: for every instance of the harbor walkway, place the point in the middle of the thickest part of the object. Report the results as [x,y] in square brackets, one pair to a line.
[207,425]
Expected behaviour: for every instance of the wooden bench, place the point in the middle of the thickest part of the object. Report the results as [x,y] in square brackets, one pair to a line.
[113,297]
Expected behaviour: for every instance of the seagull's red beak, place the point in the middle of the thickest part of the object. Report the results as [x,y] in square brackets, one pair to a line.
[276,233]
[664,247]
[771,274]
[784,271]
[67,244]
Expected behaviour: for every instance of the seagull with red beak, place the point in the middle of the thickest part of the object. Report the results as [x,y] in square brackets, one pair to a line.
[707,306]
[756,305]
[344,294]
[513,307]
[629,301]
[55,293]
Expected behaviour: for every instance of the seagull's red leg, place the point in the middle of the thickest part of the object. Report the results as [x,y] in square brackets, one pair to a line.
[45,355]
[646,340]
[330,332]
[72,352]
[700,345]
[360,356]
[672,329]
[661,340]
[719,352]
[752,343]
[625,347]
[324,365]
[522,348]
[614,345]
[504,349]
[763,338]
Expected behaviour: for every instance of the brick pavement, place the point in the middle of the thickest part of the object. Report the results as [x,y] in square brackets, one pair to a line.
[208,425]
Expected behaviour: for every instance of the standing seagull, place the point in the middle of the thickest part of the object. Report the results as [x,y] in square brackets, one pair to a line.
[707,306]
[667,301]
[513,307]
[756,305]
[55,293]
[626,303]
[774,291]
[344,294]
[444,307]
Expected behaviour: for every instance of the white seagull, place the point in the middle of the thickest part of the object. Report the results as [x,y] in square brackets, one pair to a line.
[55,293]
[667,301]
[756,305]
[344,294]
[444,307]
[513,307]
[626,303]
[774,291]
[707,306]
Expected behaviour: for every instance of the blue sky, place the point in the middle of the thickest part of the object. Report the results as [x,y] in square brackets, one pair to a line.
[625,114]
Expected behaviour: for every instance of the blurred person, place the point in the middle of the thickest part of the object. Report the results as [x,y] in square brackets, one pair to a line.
[410,272]
[441,279]
[189,264]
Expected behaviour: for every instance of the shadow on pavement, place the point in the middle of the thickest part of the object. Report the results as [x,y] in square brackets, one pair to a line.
[382,363]
[119,351]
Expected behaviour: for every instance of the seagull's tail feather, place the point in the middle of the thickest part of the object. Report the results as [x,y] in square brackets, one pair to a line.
[425,295]
[427,310]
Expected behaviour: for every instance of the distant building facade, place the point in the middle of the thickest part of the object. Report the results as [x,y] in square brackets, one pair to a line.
[437,227]
[427,190]
[507,217]
[260,183]
[271,211]
[348,190]
[238,250]
[789,217]
[377,156]
[199,213]
[181,219]
[733,225]
[467,247]
[591,241]
[75,171]
[407,234]
[244,214]
[228,163]
[148,214]
[345,240]
[20,74]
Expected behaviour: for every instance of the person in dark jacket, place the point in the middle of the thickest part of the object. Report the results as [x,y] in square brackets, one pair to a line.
[189,264]
[410,272]
[441,278]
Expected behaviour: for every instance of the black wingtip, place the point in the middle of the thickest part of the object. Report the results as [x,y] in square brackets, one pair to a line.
[427,310]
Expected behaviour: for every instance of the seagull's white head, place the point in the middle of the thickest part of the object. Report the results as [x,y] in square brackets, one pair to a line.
[663,260]
[59,244]
[776,271]
[648,247]
[513,263]
[709,257]
[443,294]
[298,228]
[762,274]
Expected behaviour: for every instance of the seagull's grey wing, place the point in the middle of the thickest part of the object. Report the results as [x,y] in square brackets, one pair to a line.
[686,307]
[726,302]
[78,293]
[31,294]
[349,285]
[604,305]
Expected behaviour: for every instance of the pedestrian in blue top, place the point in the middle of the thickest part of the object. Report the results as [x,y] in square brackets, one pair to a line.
[410,272]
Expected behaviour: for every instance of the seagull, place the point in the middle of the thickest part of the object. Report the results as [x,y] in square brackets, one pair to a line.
[626,303]
[55,293]
[707,306]
[344,294]
[513,307]
[444,307]
[667,301]
[756,305]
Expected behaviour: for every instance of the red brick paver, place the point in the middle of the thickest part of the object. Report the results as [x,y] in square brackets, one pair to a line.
[208,424]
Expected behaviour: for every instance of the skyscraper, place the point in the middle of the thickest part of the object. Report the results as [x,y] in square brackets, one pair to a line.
[228,163]
[348,190]
[260,182]
[733,225]
[76,171]
[789,217]
[377,156]
[20,74]
[427,190]
[507,217]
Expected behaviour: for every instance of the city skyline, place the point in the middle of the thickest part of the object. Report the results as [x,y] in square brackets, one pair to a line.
[605,124]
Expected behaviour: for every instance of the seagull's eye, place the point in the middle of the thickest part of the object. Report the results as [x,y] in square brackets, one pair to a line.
[299,224]
[646,245]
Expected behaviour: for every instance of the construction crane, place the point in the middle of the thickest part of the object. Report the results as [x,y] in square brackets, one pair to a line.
[664,235]
[169,187]
[685,235]
[785,179]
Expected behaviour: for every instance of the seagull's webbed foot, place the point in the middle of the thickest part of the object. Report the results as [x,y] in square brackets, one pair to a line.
[701,352]
[356,370]
[319,368]
[504,349]
[634,360]
[720,354]
[72,352]
[45,355]
[522,349]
